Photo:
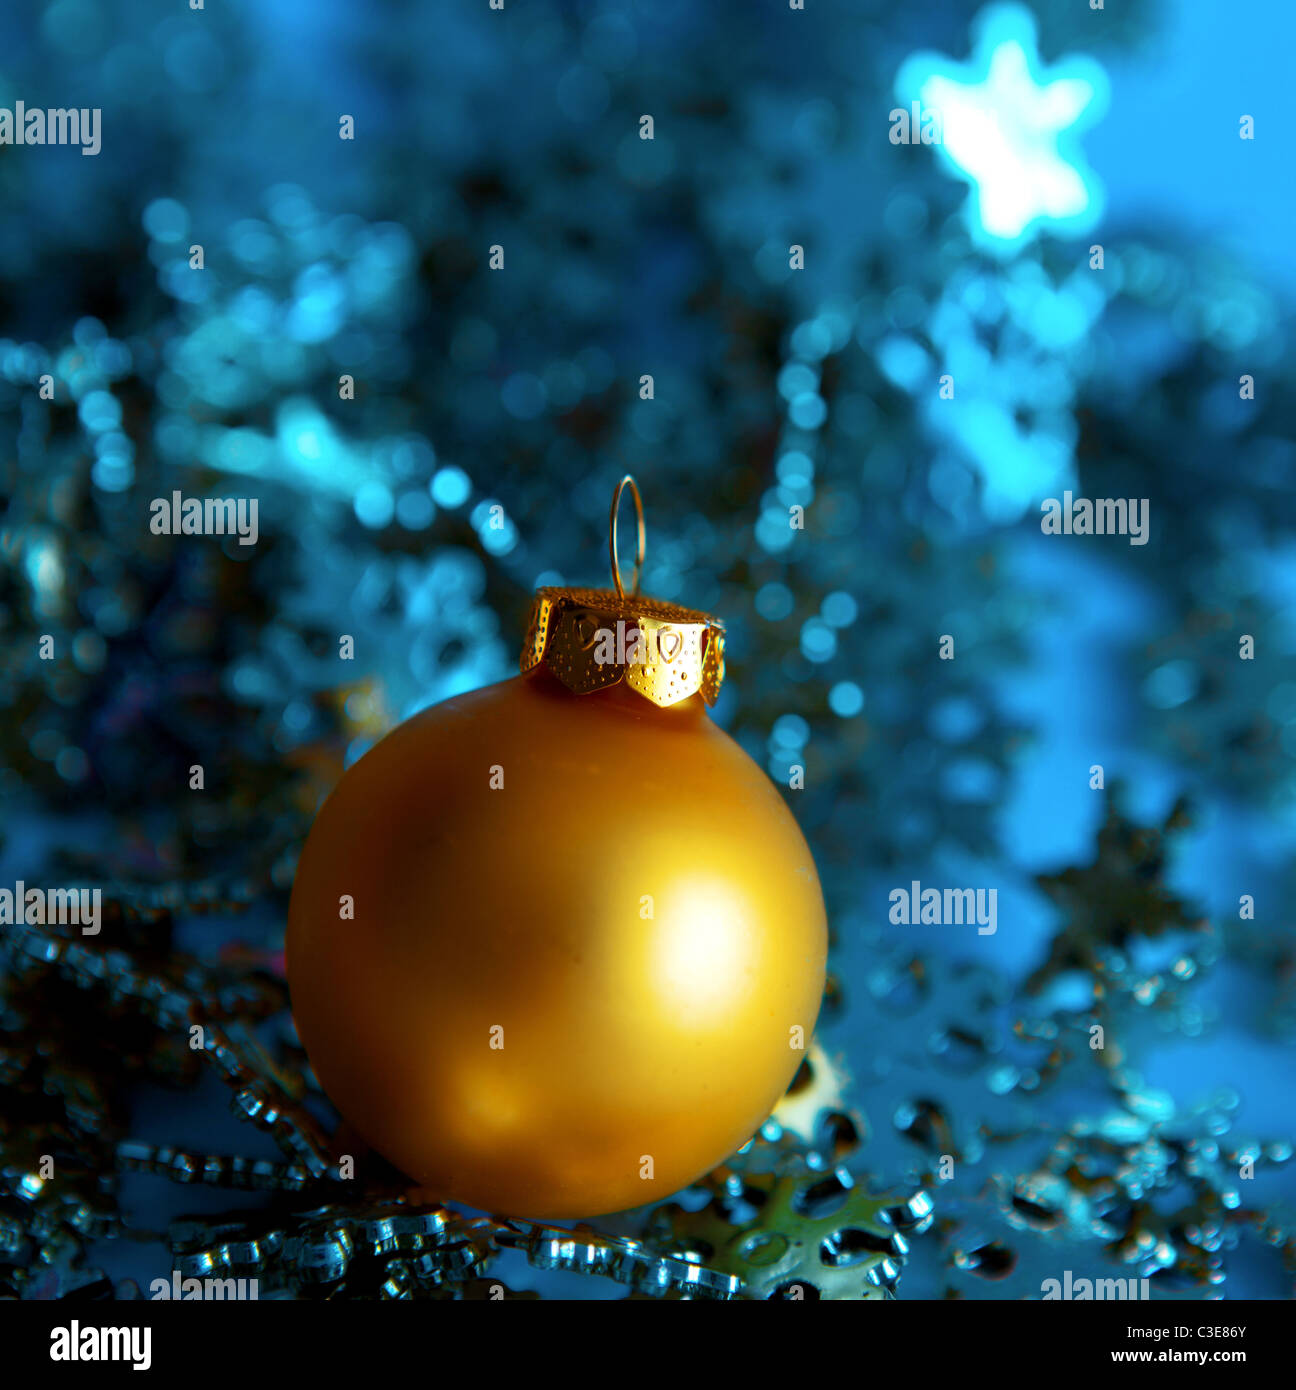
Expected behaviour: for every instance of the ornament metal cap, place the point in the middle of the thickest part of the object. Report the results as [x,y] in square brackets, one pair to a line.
[591,639]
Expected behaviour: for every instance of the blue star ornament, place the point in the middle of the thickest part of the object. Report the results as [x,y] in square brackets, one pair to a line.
[1010,129]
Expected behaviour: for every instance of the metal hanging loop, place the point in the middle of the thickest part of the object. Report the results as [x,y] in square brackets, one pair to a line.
[612,536]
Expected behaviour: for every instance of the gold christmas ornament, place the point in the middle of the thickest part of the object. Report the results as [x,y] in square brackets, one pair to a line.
[556,947]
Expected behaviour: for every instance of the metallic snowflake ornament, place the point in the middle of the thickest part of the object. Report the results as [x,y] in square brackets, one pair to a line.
[1008,127]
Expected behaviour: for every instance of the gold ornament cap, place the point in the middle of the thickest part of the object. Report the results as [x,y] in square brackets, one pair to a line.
[591,639]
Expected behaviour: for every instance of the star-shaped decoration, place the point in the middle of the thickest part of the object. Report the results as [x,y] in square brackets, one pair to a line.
[1009,128]
[1122,896]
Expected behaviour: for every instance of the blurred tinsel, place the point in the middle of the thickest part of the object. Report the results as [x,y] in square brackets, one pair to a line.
[520,390]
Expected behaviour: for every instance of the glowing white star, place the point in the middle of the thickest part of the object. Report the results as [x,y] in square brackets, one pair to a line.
[1009,130]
